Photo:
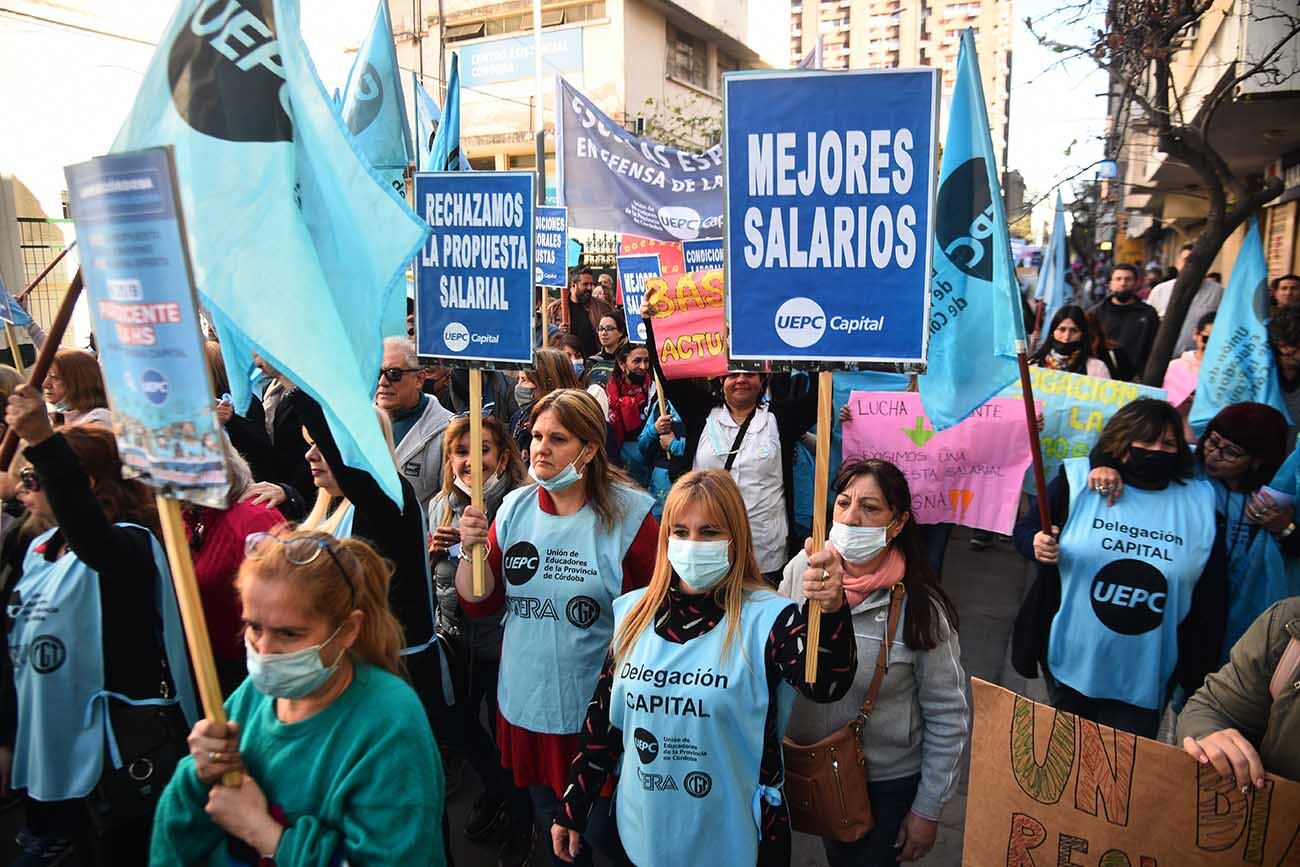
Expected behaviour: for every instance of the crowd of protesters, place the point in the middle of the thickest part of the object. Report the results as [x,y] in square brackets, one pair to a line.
[633,649]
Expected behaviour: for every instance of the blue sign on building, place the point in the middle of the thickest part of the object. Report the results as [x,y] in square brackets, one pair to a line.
[511,58]
[474,278]
[146,323]
[829,214]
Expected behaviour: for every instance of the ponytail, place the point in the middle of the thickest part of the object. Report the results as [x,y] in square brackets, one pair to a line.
[381,640]
[321,518]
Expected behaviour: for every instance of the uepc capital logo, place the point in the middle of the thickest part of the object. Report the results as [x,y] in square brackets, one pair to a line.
[521,563]
[964,219]
[800,322]
[369,99]
[456,336]
[154,386]
[226,75]
[1129,596]
[647,745]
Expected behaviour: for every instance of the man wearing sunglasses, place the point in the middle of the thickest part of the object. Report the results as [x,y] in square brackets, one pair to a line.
[418,420]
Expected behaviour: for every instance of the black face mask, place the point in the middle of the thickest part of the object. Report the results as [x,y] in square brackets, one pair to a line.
[1150,469]
[636,377]
[1066,348]
[1125,297]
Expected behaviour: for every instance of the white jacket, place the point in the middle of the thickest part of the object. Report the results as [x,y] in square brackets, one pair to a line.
[419,454]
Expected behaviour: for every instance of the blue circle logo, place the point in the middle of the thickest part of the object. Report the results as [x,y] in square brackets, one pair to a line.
[154,386]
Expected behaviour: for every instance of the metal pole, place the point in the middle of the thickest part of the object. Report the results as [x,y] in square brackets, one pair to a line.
[442,56]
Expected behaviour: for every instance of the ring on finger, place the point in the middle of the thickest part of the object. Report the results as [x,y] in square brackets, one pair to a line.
[214,756]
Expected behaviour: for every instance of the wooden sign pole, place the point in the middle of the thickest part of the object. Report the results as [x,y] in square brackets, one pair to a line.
[48,268]
[663,400]
[476,467]
[1035,445]
[196,626]
[14,348]
[821,485]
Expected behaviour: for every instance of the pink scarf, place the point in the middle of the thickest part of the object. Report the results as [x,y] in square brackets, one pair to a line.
[890,572]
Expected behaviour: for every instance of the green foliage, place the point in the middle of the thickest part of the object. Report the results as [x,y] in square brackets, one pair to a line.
[692,125]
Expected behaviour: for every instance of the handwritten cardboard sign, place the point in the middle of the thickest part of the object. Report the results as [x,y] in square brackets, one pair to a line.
[969,474]
[1050,789]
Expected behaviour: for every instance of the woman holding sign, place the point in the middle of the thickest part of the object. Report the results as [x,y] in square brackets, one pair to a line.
[338,764]
[1130,598]
[94,635]
[918,721]
[566,547]
[694,694]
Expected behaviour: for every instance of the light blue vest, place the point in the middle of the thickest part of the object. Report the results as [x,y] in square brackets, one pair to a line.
[692,725]
[1127,575]
[561,576]
[56,644]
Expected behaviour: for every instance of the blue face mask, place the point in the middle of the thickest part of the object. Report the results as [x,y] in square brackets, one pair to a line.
[561,480]
[699,565]
[577,367]
[290,675]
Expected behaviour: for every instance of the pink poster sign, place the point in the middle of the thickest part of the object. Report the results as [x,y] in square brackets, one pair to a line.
[1180,382]
[969,474]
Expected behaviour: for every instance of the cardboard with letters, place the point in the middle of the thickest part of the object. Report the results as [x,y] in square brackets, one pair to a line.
[1050,789]
[141,298]
[474,277]
[552,243]
[634,274]
[1075,409]
[829,215]
[968,474]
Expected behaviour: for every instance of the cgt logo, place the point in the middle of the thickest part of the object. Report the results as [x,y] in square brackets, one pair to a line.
[521,563]
[964,219]
[46,654]
[697,784]
[456,336]
[369,99]
[582,611]
[647,745]
[154,386]
[1129,596]
[681,222]
[800,322]
[225,72]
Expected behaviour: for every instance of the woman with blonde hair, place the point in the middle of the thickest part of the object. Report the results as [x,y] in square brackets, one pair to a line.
[338,764]
[74,386]
[552,370]
[566,546]
[696,690]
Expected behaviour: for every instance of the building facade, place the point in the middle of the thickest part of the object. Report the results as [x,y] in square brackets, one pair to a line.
[867,34]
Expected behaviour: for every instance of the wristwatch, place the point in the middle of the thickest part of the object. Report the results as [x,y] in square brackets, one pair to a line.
[1286,531]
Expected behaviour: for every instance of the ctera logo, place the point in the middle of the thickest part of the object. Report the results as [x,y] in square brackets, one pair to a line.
[647,745]
[964,219]
[369,99]
[154,386]
[800,322]
[1129,596]
[456,336]
[681,222]
[225,72]
[521,562]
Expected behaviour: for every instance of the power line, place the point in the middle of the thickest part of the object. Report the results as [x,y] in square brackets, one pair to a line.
[80,27]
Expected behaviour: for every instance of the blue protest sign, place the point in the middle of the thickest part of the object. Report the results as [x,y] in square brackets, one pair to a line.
[614,181]
[511,58]
[633,272]
[474,278]
[552,244]
[141,294]
[702,255]
[829,214]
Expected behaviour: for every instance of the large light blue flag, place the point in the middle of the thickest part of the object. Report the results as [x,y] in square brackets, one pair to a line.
[296,243]
[975,319]
[374,108]
[427,115]
[445,153]
[1053,290]
[1238,364]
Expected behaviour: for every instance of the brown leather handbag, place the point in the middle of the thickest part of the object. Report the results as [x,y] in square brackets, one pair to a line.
[826,782]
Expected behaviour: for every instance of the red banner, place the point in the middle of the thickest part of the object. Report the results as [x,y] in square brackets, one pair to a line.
[688,309]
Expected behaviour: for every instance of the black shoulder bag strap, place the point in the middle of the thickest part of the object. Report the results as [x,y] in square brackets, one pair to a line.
[740,438]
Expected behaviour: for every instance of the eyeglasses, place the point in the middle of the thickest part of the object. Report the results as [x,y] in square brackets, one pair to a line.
[395,374]
[489,409]
[1226,450]
[29,479]
[299,551]
[607,328]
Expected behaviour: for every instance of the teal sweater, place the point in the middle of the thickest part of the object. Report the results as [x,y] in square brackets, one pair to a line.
[360,780]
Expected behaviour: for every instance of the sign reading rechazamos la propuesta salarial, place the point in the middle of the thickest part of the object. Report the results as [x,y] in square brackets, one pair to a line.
[474,279]
[829,213]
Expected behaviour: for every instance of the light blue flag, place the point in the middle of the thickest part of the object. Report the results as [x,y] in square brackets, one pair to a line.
[1053,289]
[292,236]
[975,319]
[10,310]
[427,115]
[374,108]
[445,153]
[1238,364]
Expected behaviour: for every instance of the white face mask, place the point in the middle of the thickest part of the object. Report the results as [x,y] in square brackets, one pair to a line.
[858,544]
[699,564]
[464,486]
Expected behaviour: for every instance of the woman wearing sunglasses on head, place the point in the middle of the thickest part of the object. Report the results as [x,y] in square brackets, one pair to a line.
[94,635]
[695,692]
[566,548]
[1241,450]
[338,764]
